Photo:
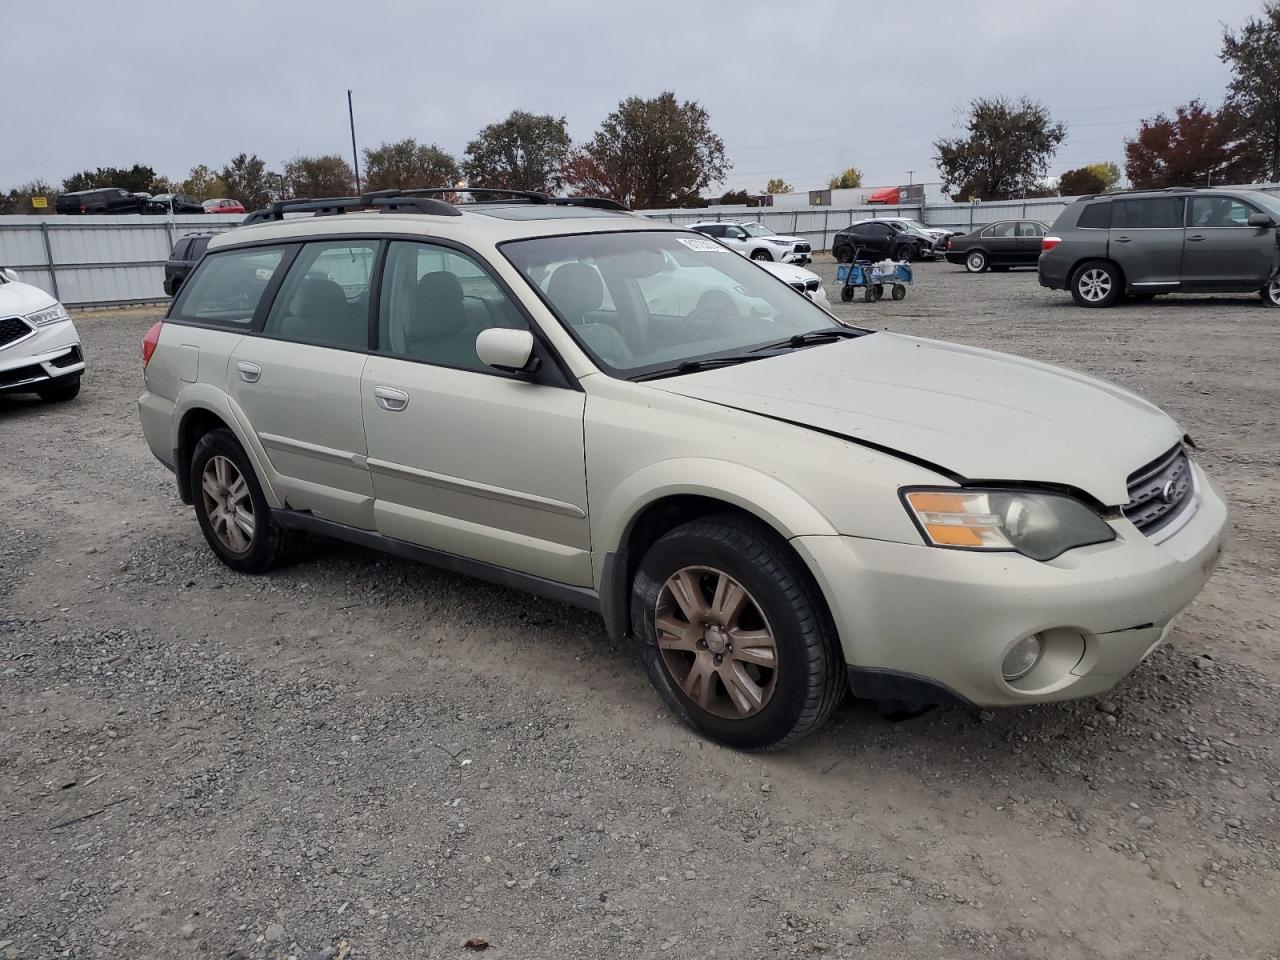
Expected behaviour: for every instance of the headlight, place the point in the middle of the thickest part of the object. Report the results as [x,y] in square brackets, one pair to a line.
[781,243]
[1037,525]
[54,314]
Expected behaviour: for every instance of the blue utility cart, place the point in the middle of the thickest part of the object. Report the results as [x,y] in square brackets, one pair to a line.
[873,278]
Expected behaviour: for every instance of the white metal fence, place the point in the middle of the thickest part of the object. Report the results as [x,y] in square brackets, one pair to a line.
[98,260]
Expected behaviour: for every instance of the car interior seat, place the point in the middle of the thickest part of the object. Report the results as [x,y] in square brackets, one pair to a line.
[578,291]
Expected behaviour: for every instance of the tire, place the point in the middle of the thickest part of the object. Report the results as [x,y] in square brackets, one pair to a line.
[899,291]
[1097,283]
[1270,294]
[846,294]
[265,545]
[905,253]
[843,254]
[782,612]
[761,255]
[975,261]
[873,293]
[60,390]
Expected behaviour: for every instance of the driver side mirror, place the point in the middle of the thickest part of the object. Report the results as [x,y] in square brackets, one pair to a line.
[10,274]
[510,351]
[1261,220]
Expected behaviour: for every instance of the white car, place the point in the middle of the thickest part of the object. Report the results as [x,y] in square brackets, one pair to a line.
[39,345]
[806,281]
[757,241]
[689,288]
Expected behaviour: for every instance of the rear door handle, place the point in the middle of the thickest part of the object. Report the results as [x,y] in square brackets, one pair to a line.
[1196,239]
[1122,239]
[249,372]
[389,398]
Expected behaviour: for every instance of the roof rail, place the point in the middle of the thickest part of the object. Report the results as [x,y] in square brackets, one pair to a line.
[419,200]
[1114,193]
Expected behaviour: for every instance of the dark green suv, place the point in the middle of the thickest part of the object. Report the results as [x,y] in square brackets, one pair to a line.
[1178,240]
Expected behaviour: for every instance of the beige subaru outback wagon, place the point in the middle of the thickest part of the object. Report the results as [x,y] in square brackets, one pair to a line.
[564,397]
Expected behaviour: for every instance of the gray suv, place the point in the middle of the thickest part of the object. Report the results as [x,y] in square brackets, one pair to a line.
[1178,240]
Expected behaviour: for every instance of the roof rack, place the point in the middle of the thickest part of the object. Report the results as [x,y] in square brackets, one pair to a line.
[420,200]
[1115,193]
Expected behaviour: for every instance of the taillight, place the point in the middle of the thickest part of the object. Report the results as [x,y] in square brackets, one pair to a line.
[948,243]
[150,341]
[82,208]
[1048,243]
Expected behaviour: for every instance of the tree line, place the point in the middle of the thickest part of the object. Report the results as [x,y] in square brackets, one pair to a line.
[647,153]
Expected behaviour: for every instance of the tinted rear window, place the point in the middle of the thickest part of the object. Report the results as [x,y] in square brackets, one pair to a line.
[226,288]
[1147,214]
[1096,216]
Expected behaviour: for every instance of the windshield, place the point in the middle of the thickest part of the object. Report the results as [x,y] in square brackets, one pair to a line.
[644,301]
[758,230]
[1269,202]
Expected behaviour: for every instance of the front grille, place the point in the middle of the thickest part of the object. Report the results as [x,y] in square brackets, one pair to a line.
[1160,492]
[11,329]
[22,375]
[803,248]
[812,285]
[797,284]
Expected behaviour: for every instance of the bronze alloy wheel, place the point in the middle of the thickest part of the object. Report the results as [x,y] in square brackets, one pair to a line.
[227,503]
[716,643]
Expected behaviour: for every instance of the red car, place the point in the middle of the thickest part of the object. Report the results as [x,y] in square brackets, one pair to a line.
[223,206]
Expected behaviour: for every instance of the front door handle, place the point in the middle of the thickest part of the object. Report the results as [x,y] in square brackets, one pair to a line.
[1122,239]
[249,372]
[1196,239]
[389,398]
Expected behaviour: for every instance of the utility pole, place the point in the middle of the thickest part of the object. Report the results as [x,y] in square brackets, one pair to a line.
[910,177]
[355,157]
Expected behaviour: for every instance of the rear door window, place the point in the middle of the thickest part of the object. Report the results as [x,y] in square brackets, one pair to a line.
[227,287]
[324,298]
[1030,228]
[1150,213]
[999,230]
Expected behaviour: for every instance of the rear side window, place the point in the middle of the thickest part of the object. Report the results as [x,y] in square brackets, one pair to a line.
[1096,216]
[999,230]
[227,287]
[325,296]
[1148,214]
[1029,228]
[180,250]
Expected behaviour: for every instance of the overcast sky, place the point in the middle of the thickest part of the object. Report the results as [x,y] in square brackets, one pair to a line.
[799,90]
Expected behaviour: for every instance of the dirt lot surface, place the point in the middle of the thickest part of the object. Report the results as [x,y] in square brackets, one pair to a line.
[363,757]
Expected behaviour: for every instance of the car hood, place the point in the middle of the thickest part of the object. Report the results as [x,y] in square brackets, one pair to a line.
[789,273]
[784,239]
[974,413]
[18,299]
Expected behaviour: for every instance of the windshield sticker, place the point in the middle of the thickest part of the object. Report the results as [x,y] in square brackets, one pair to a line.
[703,246]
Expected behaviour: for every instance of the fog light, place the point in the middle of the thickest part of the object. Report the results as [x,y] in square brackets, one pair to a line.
[1022,658]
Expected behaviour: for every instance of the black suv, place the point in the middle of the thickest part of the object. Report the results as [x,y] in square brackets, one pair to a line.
[1179,240]
[99,200]
[186,253]
[877,239]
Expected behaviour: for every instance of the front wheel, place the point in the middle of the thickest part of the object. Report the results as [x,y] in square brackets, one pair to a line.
[976,262]
[761,255]
[1271,292]
[899,291]
[60,390]
[1096,284]
[905,253]
[846,294]
[734,635]
[233,511]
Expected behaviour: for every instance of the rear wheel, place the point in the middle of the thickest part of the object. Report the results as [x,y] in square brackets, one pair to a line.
[899,291]
[734,636]
[905,252]
[232,510]
[1271,292]
[843,254]
[60,390]
[976,261]
[846,294]
[1096,283]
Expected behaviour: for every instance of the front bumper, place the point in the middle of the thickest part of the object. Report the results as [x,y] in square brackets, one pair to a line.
[945,619]
[52,352]
[798,258]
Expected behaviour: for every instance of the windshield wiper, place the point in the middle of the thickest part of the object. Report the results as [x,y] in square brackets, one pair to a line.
[826,335]
[694,366]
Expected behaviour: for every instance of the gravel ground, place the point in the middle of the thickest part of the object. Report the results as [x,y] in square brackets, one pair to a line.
[362,757]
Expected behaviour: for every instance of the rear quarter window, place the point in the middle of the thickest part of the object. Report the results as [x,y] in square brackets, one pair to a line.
[1096,216]
[227,287]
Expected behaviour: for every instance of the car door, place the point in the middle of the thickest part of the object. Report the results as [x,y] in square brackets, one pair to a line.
[1146,240]
[465,459]
[298,381]
[1222,251]
[735,236]
[1000,242]
[1027,237]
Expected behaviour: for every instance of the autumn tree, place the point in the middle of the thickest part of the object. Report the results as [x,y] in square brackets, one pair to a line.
[1081,181]
[407,164]
[778,185]
[202,183]
[1194,147]
[1107,171]
[247,179]
[1253,98]
[18,200]
[650,153]
[1006,153]
[136,179]
[523,152]
[851,179]
[318,176]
